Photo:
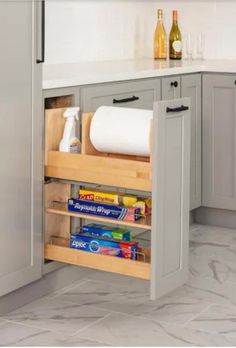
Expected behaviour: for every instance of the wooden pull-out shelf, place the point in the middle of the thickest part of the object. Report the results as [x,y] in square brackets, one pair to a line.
[117,172]
[61,209]
[113,264]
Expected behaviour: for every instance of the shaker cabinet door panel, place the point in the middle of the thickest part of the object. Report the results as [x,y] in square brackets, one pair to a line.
[20,148]
[191,87]
[219,141]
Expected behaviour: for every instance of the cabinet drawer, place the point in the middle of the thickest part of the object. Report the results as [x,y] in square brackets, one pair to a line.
[134,94]
[170,87]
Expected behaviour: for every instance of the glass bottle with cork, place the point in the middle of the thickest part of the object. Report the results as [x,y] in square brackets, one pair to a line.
[175,39]
[160,39]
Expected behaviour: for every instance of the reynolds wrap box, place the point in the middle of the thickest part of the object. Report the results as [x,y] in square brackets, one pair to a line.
[104,246]
[107,231]
[105,210]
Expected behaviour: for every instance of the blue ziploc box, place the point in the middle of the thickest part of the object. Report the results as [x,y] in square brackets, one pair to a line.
[107,231]
[92,244]
[106,210]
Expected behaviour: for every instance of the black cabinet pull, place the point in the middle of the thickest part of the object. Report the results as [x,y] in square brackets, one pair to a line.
[174,84]
[42,59]
[178,109]
[125,100]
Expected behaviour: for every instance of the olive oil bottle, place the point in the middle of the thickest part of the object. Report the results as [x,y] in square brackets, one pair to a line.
[160,38]
[175,39]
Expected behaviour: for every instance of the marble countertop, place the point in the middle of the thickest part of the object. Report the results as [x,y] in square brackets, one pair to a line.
[78,74]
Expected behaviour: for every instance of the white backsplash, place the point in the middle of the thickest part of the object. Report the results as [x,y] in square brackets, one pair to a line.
[91,30]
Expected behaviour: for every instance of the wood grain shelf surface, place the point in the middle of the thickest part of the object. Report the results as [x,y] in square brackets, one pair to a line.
[61,209]
[99,170]
[106,263]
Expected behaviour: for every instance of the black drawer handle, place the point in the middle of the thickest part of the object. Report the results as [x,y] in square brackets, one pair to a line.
[174,84]
[42,59]
[179,109]
[126,100]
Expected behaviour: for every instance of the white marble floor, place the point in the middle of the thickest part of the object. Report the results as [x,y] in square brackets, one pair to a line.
[111,310]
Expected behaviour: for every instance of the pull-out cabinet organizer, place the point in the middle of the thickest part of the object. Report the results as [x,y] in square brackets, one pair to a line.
[164,177]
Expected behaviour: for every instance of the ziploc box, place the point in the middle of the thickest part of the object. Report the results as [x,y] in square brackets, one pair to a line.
[107,231]
[105,210]
[127,250]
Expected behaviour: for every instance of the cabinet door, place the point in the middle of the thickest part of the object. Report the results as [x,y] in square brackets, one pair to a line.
[170,87]
[20,147]
[191,87]
[219,141]
[135,94]
[170,198]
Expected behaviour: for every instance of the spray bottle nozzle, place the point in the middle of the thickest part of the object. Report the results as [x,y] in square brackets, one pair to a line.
[72,112]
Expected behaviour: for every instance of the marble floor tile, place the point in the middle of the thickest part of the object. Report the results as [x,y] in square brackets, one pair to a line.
[56,315]
[208,290]
[66,288]
[125,299]
[213,253]
[213,235]
[172,309]
[109,296]
[76,341]
[216,265]
[216,319]
[14,334]
[51,339]
[124,330]
[2,321]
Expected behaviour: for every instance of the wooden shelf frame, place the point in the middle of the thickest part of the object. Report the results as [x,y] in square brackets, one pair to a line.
[61,209]
[129,174]
[106,263]
[166,176]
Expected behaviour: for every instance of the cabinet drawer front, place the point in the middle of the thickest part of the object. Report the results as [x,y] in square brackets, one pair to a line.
[138,94]
[170,87]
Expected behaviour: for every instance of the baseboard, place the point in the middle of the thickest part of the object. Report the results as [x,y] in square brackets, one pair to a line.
[215,217]
[48,283]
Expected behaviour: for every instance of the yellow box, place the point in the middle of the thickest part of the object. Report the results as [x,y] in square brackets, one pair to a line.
[107,197]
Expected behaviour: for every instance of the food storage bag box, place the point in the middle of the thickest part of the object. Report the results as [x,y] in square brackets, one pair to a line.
[107,231]
[103,246]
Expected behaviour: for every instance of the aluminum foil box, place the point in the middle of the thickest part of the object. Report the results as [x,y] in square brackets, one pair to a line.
[104,210]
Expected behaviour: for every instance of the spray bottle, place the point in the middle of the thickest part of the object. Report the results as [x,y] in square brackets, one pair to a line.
[69,142]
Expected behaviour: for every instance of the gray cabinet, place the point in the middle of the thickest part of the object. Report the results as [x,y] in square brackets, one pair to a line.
[170,196]
[170,87]
[134,94]
[219,141]
[20,147]
[191,87]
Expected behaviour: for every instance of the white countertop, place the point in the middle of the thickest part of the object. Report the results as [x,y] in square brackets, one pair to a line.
[77,74]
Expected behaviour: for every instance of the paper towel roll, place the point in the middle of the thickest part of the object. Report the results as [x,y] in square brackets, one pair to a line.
[121,130]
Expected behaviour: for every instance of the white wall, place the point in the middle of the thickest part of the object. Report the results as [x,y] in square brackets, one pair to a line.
[91,30]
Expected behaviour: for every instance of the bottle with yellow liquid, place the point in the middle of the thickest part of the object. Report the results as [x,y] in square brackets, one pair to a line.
[160,39]
[175,40]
